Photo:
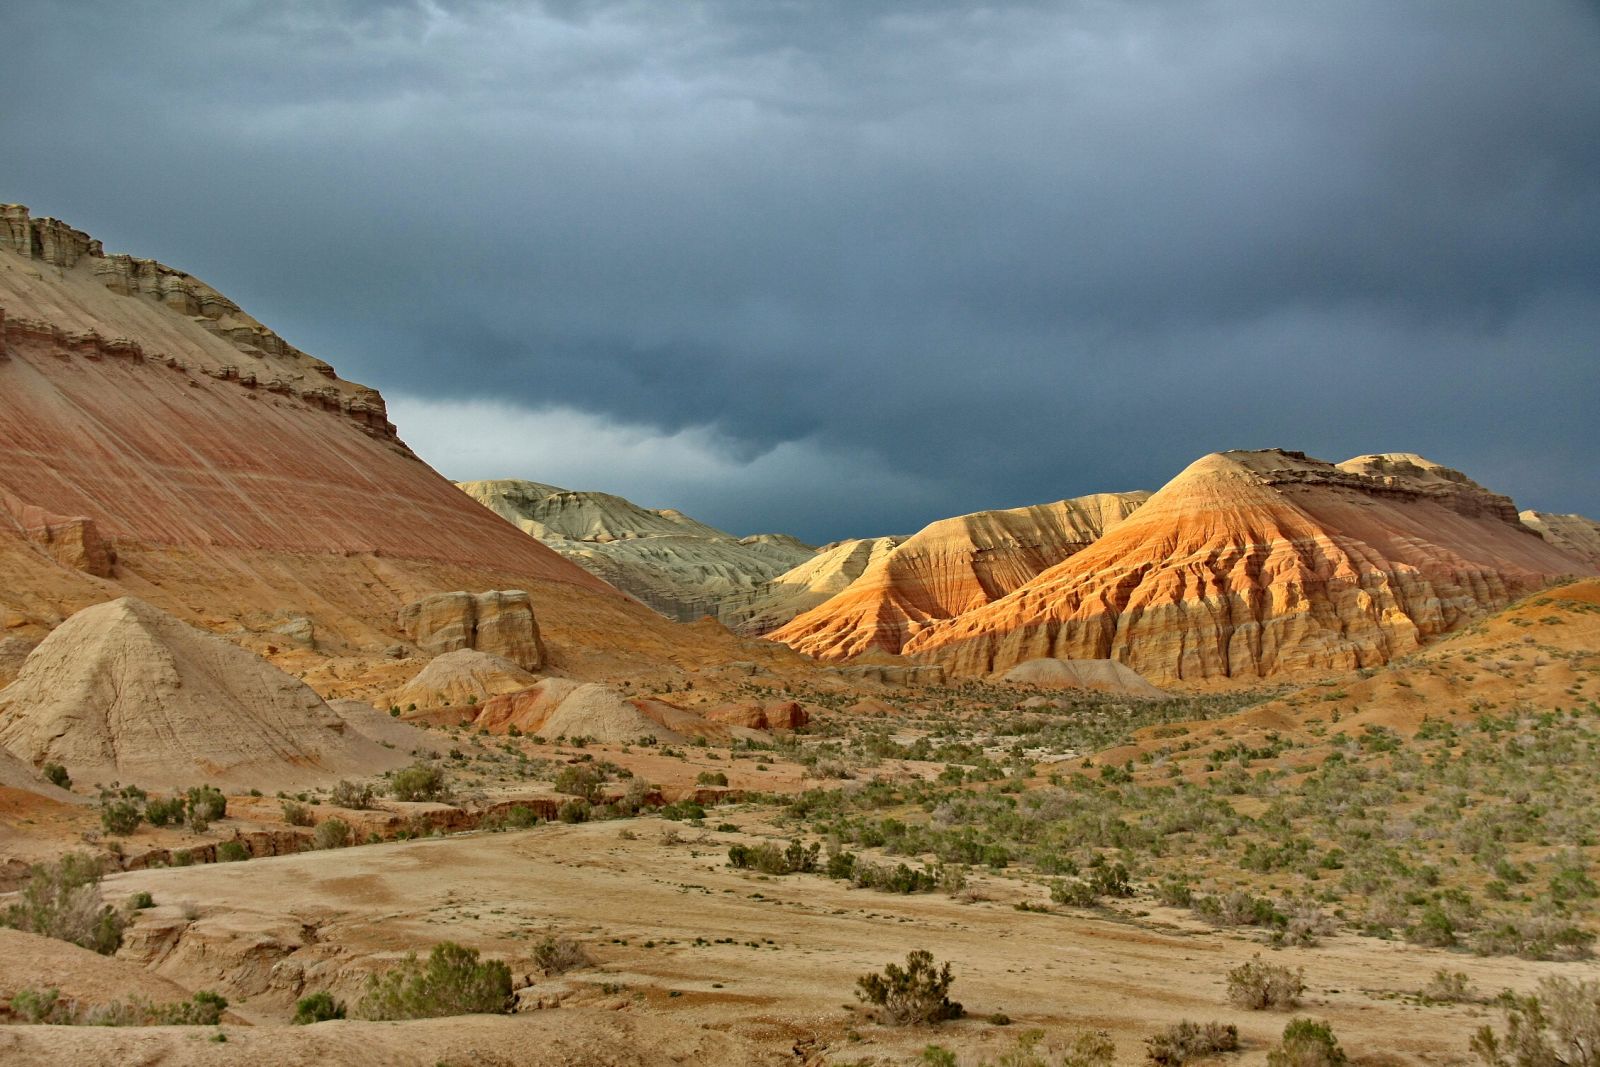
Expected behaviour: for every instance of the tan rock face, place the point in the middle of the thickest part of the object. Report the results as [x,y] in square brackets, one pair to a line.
[1265,564]
[682,568]
[950,567]
[499,622]
[72,541]
[124,692]
[1573,534]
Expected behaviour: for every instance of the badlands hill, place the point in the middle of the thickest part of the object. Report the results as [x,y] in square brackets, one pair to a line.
[124,692]
[1254,565]
[951,567]
[160,442]
[1573,534]
[796,591]
[682,568]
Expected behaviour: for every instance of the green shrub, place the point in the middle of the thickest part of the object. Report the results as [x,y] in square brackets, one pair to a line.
[120,817]
[1258,985]
[711,778]
[331,833]
[205,1008]
[142,900]
[57,775]
[166,812]
[232,852]
[1185,1041]
[62,900]
[558,954]
[296,814]
[582,780]
[348,794]
[420,781]
[206,805]
[41,1006]
[1307,1043]
[317,1008]
[768,858]
[915,993]
[452,982]
[573,811]
[1559,1025]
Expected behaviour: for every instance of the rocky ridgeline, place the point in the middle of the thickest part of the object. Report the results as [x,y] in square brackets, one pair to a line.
[54,243]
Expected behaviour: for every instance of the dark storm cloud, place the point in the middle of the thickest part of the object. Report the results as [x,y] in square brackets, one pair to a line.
[950,256]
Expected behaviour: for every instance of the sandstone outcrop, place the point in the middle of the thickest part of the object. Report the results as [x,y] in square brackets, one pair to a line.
[1254,565]
[465,676]
[124,692]
[1573,534]
[682,568]
[761,714]
[815,581]
[500,622]
[1095,675]
[951,567]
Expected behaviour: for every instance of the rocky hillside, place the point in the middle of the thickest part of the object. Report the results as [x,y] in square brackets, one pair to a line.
[832,570]
[1254,565]
[1573,534]
[951,567]
[160,442]
[682,568]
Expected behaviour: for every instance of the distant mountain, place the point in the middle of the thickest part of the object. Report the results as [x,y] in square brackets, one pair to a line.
[1267,564]
[682,568]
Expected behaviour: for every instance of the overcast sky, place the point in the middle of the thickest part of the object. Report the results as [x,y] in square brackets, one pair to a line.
[839,267]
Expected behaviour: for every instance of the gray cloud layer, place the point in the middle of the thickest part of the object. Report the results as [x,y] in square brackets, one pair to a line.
[968,256]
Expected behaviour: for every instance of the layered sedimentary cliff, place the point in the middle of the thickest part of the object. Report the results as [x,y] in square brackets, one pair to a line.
[156,440]
[682,568]
[1265,564]
[951,567]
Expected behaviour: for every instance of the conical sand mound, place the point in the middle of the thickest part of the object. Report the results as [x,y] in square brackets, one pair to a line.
[125,692]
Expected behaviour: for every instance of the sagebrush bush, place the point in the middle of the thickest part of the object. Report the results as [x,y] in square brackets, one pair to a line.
[348,794]
[915,993]
[452,982]
[296,814]
[420,781]
[1260,986]
[581,780]
[57,775]
[558,954]
[1186,1041]
[1555,1027]
[768,858]
[206,805]
[232,852]
[1307,1043]
[164,812]
[331,833]
[46,1006]
[62,900]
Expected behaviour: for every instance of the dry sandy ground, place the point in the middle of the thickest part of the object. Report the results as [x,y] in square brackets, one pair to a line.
[266,931]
